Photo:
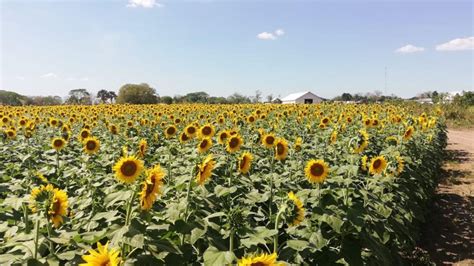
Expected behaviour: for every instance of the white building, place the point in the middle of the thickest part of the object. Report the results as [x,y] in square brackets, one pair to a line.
[302,97]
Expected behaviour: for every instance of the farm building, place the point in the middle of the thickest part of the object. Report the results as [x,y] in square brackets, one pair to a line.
[302,97]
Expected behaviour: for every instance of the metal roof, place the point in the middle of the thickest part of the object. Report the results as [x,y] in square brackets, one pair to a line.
[294,96]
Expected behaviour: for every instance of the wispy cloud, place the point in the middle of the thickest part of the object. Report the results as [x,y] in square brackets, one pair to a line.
[144,3]
[409,49]
[271,35]
[49,75]
[459,44]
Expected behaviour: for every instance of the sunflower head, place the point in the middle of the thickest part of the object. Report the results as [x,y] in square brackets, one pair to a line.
[102,256]
[183,137]
[84,134]
[295,210]
[244,163]
[204,145]
[281,149]
[151,187]
[222,138]
[298,144]
[127,169]
[58,143]
[260,260]
[205,170]
[234,143]
[190,131]
[268,140]
[91,145]
[377,165]
[170,131]
[206,131]
[142,147]
[408,133]
[58,207]
[316,171]
[361,142]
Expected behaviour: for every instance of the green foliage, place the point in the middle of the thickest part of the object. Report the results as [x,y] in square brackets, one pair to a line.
[137,94]
[11,98]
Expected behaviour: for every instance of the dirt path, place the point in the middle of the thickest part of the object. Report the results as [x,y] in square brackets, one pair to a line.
[448,235]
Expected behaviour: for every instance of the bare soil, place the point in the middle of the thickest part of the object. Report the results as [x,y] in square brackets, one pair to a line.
[448,235]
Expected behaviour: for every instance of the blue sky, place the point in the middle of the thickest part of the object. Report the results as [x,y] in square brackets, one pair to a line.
[222,47]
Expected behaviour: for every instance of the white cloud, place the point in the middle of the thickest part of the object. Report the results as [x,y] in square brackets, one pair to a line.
[49,75]
[280,32]
[459,44]
[266,36]
[144,3]
[409,49]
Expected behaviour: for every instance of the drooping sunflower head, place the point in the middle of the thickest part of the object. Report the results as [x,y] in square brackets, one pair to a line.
[298,144]
[58,143]
[142,147]
[151,187]
[113,129]
[400,165]
[91,145]
[40,177]
[333,137]
[245,161]
[316,171]
[408,133]
[392,140]
[281,149]
[127,169]
[205,170]
[295,210]
[40,197]
[363,163]
[206,131]
[260,260]
[170,131]
[234,143]
[361,142]
[58,208]
[103,256]
[268,140]
[377,165]
[204,145]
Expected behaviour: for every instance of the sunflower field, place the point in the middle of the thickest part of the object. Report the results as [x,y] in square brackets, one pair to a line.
[257,184]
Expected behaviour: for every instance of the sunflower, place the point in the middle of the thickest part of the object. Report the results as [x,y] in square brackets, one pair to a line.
[183,137]
[204,145]
[408,133]
[58,143]
[58,207]
[400,165]
[170,131]
[298,144]
[39,195]
[222,138]
[190,131]
[113,129]
[206,131]
[11,133]
[103,256]
[142,147]
[281,149]
[316,171]
[392,140]
[260,260]
[268,140]
[91,145]
[234,143]
[333,137]
[41,177]
[245,162]
[127,169]
[297,210]
[364,163]
[362,141]
[377,165]
[151,187]
[205,170]
[85,133]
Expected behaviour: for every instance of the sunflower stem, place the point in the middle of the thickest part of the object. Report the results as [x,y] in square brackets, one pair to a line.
[36,237]
[57,163]
[277,221]
[188,192]
[271,189]
[48,227]
[127,219]
[25,218]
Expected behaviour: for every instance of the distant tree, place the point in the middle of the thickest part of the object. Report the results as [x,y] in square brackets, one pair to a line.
[196,97]
[112,96]
[217,100]
[79,96]
[178,99]
[44,100]
[269,98]
[238,98]
[346,97]
[137,94]
[166,99]
[11,98]
[258,96]
[103,95]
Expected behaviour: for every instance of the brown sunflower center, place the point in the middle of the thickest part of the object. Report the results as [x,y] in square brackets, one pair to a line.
[317,169]
[58,143]
[206,130]
[203,144]
[223,136]
[269,140]
[11,133]
[234,142]
[84,134]
[191,130]
[377,163]
[258,264]
[280,149]
[243,162]
[91,145]
[128,168]
[170,130]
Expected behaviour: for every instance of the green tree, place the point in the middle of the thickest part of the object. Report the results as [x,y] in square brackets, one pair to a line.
[103,95]
[79,96]
[346,97]
[137,94]
[166,100]
[11,98]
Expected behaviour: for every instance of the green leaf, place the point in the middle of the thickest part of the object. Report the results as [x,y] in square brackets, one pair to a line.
[298,245]
[213,256]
